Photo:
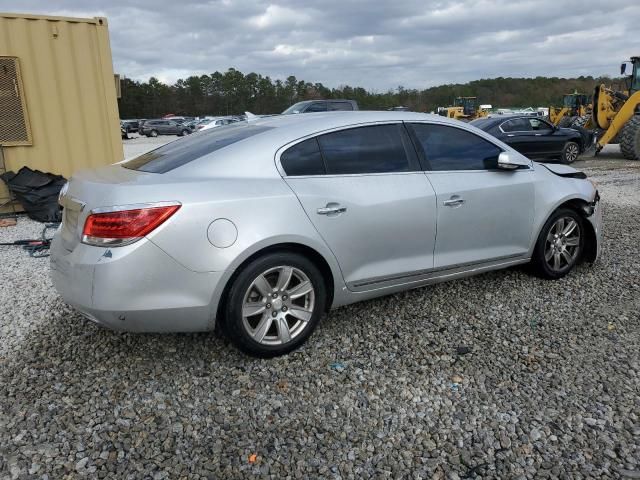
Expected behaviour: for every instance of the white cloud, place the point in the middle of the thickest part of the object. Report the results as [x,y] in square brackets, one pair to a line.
[378,45]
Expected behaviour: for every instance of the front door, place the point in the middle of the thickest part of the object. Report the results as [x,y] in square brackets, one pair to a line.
[484,214]
[369,201]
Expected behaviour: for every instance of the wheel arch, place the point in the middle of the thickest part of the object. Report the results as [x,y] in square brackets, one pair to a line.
[307,251]
[582,207]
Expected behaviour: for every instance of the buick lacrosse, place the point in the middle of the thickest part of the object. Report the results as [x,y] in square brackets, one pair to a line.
[263,226]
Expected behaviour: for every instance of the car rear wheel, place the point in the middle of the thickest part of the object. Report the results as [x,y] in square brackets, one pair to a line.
[560,245]
[274,304]
[570,152]
[153,133]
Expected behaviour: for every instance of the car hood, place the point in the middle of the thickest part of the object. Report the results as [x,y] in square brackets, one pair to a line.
[563,170]
[559,168]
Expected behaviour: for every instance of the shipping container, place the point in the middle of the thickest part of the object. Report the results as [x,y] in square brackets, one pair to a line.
[58,105]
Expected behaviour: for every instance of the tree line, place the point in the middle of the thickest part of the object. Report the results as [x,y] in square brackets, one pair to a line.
[233,92]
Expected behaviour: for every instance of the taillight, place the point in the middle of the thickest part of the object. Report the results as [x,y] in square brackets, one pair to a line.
[115,228]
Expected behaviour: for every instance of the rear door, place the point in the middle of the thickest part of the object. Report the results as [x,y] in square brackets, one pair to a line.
[545,141]
[518,134]
[365,193]
[484,214]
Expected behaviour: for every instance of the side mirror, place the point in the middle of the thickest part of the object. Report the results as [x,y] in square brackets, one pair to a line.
[508,161]
[623,68]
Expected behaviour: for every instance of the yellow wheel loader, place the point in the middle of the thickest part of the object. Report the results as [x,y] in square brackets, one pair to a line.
[574,106]
[616,115]
[465,108]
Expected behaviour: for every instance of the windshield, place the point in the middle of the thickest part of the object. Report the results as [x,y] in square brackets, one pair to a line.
[295,108]
[178,153]
[635,78]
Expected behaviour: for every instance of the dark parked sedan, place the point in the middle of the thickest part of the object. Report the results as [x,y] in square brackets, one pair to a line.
[161,126]
[535,137]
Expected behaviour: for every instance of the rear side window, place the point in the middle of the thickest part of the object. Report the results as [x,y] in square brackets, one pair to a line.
[303,159]
[175,154]
[334,106]
[450,148]
[374,149]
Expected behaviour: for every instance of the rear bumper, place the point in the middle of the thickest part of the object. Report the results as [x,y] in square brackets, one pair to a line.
[134,288]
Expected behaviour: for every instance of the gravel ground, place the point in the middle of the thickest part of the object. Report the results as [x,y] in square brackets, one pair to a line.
[497,376]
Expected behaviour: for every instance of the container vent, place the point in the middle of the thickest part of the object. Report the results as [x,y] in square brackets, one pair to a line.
[14,122]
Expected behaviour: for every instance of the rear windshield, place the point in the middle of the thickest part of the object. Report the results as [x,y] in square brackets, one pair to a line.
[178,153]
[482,122]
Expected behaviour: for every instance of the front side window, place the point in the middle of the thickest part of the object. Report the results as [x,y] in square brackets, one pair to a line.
[539,125]
[335,106]
[451,148]
[317,107]
[303,159]
[295,108]
[373,149]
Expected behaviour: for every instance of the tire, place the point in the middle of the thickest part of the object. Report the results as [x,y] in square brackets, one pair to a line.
[153,133]
[581,121]
[566,122]
[549,259]
[630,139]
[260,333]
[570,152]
[184,133]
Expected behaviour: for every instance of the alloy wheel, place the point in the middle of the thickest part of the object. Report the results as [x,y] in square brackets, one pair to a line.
[278,305]
[571,152]
[562,244]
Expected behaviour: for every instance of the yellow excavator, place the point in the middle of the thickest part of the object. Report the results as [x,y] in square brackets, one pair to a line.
[574,106]
[616,114]
[465,108]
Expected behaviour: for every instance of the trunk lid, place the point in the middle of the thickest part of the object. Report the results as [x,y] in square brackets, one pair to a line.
[107,186]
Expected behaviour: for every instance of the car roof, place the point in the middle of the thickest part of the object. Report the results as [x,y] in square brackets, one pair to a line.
[296,126]
[254,155]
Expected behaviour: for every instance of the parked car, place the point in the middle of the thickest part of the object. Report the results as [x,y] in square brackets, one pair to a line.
[215,122]
[263,226]
[153,128]
[310,106]
[191,124]
[131,126]
[536,138]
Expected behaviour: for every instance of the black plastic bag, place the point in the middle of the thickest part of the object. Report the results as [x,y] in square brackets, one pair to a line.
[37,192]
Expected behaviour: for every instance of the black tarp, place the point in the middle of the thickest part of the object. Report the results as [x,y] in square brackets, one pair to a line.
[37,192]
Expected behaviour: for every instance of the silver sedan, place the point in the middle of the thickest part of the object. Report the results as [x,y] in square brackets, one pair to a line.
[263,226]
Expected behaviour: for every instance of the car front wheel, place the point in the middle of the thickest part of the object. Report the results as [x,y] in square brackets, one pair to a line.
[153,133]
[570,152]
[559,245]
[274,304]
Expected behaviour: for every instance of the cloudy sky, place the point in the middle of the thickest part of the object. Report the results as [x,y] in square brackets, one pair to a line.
[374,44]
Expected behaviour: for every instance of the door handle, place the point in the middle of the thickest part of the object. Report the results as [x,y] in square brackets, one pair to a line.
[454,201]
[331,208]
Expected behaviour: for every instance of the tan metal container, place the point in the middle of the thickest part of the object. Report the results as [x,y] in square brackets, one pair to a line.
[58,106]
